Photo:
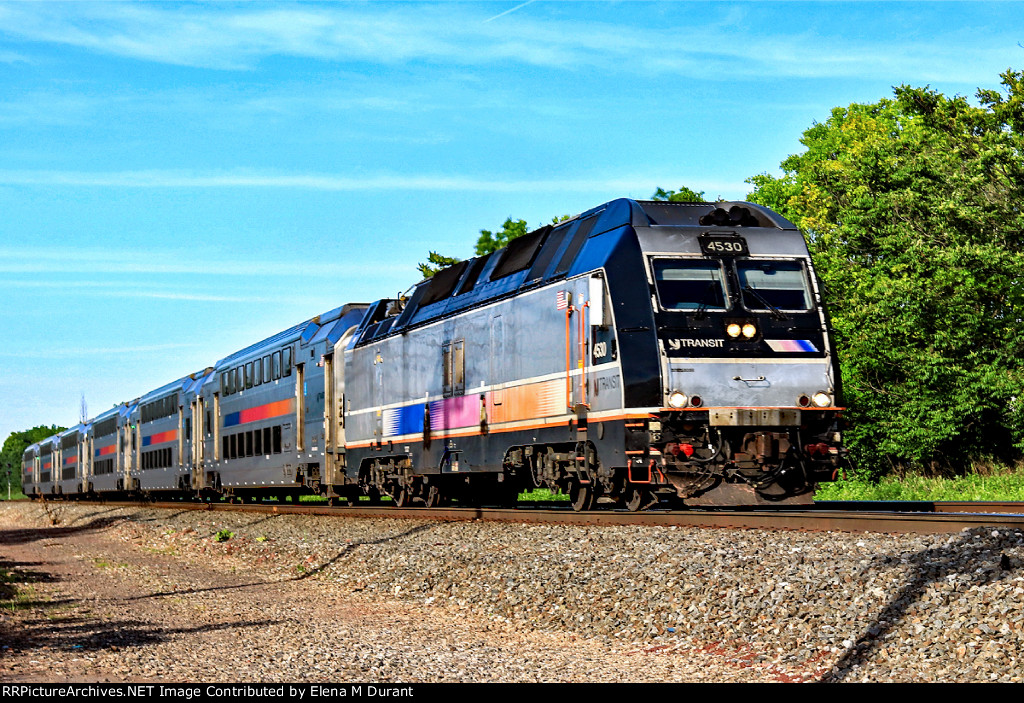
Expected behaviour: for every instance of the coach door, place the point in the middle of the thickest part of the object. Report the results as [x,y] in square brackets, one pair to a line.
[184,460]
[499,357]
[334,430]
[300,407]
[378,396]
[196,442]
[575,348]
[587,340]
[334,409]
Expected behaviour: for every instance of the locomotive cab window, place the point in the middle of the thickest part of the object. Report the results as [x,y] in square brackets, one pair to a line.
[773,284]
[685,284]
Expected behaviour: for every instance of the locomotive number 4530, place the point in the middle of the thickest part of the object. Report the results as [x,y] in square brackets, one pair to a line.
[719,246]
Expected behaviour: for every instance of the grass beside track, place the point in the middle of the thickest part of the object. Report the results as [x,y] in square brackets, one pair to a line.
[1000,484]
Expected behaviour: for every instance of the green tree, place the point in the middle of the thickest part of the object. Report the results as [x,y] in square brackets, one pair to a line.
[492,241]
[434,263]
[13,449]
[486,243]
[912,209]
[683,195]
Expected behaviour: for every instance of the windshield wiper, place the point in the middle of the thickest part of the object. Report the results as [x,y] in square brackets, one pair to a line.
[705,302]
[757,296]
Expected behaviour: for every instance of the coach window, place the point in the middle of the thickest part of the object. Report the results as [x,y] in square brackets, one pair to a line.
[257,373]
[277,365]
[266,369]
[286,361]
[248,375]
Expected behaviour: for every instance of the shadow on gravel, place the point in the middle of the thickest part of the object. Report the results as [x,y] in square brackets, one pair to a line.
[351,547]
[16,591]
[189,591]
[24,536]
[159,518]
[92,515]
[12,572]
[976,554]
[75,634]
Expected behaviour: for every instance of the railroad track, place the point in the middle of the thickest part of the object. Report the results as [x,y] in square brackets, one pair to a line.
[903,517]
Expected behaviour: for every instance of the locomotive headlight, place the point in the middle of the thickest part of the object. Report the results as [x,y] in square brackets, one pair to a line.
[733,330]
[677,400]
[749,331]
[821,399]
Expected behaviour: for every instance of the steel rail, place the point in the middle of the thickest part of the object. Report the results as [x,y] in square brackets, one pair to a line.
[815,519]
[985,507]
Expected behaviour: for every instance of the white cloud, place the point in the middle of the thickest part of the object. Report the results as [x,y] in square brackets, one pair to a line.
[11,57]
[72,352]
[625,183]
[121,290]
[64,259]
[729,46]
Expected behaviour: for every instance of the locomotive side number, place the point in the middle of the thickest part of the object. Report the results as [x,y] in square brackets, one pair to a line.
[727,246]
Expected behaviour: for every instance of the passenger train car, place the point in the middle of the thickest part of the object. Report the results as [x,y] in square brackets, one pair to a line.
[639,353]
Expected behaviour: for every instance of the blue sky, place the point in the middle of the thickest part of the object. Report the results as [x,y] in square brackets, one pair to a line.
[178,180]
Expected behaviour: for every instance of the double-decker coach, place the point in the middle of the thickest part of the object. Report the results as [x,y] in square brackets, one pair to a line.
[30,470]
[161,421]
[72,461]
[272,413]
[107,432]
[48,466]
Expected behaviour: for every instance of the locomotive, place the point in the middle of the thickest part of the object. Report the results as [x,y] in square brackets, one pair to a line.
[640,353]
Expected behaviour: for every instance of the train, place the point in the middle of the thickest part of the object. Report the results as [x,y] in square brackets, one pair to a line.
[639,354]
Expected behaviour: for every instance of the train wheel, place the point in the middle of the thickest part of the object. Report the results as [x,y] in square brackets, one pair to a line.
[433,497]
[403,497]
[638,499]
[582,496]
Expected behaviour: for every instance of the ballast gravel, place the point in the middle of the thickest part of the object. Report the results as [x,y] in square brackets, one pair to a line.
[140,594]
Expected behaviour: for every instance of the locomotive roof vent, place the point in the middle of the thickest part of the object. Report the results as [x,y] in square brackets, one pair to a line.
[735,216]
[721,213]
